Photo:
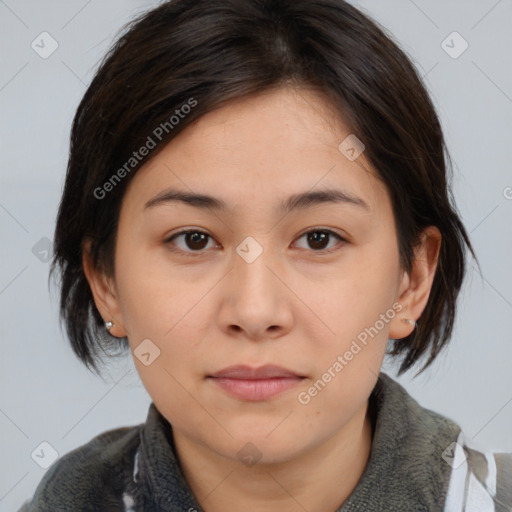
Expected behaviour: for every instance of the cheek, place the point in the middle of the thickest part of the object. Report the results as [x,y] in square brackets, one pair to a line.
[155,295]
[168,306]
[358,293]
[358,308]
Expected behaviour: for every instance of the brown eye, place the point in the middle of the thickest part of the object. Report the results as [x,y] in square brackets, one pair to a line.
[193,240]
[318,239]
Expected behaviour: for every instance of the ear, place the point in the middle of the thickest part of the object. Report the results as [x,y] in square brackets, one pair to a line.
[414,287]
[104,293]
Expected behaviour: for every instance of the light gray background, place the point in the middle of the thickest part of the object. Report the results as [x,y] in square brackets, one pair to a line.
[47,395]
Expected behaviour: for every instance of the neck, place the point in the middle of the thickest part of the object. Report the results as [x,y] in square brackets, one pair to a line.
[320,478]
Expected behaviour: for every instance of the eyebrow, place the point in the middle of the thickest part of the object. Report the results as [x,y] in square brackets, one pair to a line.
[295,202]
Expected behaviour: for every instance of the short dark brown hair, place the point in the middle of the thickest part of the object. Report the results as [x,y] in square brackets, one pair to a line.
[213,51]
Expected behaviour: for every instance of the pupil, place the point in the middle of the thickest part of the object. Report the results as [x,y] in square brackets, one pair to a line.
[196,239]
[316,241]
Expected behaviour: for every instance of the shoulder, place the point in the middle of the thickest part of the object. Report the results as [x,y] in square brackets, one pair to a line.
[438,451]
[99,468]
[421,461]
[480,479]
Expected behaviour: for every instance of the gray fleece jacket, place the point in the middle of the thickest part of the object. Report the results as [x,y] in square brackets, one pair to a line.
[419,461]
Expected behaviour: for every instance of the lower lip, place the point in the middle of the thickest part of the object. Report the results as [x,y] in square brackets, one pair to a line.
[256,389]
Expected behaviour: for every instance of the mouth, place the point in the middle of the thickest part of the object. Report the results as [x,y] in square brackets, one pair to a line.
[255,384]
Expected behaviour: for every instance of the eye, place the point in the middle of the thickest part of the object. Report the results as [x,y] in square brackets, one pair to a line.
[319,238]
[193,239]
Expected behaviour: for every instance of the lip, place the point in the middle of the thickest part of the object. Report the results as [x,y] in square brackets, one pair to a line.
[268,371]
[255,384]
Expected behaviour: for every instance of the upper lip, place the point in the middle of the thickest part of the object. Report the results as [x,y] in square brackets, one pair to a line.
[267,371]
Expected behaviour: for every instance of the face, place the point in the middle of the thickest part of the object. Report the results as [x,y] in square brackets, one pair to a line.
[312,289]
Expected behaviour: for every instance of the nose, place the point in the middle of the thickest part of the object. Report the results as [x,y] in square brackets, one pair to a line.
[255,299]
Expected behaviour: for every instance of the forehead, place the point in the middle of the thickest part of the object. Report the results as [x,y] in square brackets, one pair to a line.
[262,147]
[272,117]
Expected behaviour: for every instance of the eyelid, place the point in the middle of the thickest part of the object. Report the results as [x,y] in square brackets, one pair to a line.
[323,228]
[343,239]
[185,231]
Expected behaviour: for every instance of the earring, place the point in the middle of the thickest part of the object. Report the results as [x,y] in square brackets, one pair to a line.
[409,321]
[108,326]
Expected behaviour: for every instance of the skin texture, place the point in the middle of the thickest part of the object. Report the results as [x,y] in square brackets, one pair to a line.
[296,305]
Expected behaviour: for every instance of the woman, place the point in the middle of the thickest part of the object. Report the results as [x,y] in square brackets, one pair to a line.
[257,207]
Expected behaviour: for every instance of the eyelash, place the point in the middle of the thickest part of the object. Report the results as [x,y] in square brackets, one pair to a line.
[202,251]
